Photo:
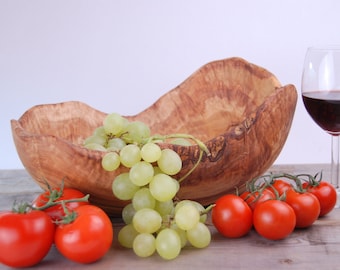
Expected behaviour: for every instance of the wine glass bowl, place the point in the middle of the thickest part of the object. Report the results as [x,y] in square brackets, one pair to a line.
[324,108]
[320,90]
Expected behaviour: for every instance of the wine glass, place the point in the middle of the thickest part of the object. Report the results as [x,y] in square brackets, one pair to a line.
[321,96]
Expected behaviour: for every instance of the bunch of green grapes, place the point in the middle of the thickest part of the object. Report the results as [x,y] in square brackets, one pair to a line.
[154,220]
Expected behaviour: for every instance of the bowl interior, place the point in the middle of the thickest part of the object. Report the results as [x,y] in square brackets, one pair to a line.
[209,103]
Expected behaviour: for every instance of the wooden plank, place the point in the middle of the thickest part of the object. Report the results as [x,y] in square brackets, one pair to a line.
[318,246]
[16,185]
[315,247]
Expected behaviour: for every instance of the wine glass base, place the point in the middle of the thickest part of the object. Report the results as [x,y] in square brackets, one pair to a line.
[337,204]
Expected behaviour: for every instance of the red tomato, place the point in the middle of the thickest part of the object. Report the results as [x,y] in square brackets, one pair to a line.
[56,212]
[26,238]
[257,197]
[326,194]
[232,216]
[274,219]
[306,207]
[281,186]
[87,238]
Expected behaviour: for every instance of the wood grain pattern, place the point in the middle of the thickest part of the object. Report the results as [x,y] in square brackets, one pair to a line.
[238,109]
[317,247]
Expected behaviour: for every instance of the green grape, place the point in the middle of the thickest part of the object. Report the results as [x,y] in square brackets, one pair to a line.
[110,161]
[170,162]
[165,208]
[168,244]
[199,207]
[127,213]
[181,141]
[95,146]
[147,220]
[130,155]
[163,187]
[199,236]
[97,139]
[127,235]
[136,132]
[143,199]
[182,235]
[141,173]
[203,217]
[151,152]
[179,204]
[114,123]
[123,188]
[187,216]
[144,245]
[100,131]
[115,144]
[177,184]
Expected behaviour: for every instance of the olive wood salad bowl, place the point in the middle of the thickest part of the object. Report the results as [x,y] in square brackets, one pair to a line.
[238,109]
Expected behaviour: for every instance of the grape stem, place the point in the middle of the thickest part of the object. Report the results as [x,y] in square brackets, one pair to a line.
[193,168]
[201,145]
[207,210]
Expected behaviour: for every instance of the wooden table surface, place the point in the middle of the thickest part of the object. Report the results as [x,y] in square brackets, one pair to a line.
[317,247]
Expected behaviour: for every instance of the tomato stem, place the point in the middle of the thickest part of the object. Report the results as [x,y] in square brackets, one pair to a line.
[297,179]
[51,203]
[20,208]
[70,216]
[312,180]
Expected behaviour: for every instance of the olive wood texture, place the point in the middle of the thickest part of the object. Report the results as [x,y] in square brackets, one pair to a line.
[238,109]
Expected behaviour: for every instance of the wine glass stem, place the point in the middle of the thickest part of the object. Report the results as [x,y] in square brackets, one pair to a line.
[335,162]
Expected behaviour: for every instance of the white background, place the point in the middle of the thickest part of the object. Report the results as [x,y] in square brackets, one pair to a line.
[121,56]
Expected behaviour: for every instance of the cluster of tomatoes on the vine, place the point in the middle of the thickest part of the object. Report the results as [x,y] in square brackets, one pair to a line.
[64,217]
[274,205]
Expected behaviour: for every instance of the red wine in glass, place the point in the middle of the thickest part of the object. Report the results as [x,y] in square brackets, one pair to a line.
[324,108]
